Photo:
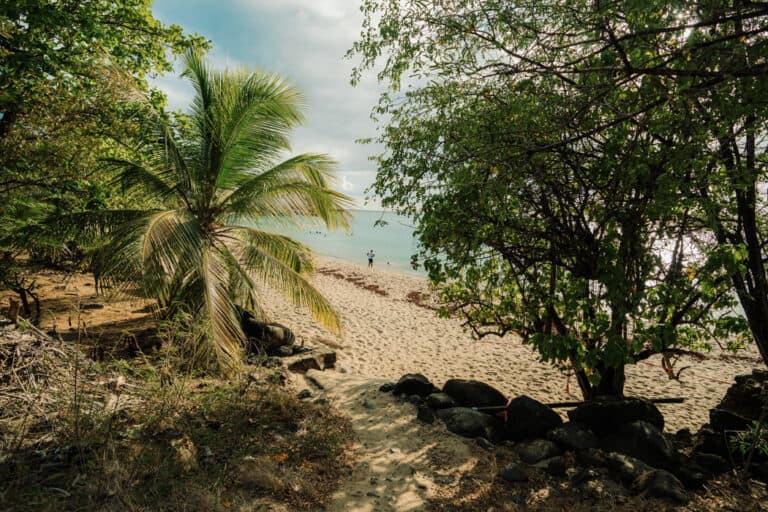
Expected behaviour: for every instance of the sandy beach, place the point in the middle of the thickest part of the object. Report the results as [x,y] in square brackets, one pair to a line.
[386,335]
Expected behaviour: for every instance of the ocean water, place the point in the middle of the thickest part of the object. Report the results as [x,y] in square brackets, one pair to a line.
[393,243]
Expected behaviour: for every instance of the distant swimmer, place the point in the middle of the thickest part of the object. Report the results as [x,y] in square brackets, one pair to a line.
[370,255]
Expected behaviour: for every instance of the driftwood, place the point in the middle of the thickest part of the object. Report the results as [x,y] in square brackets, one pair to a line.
[556,405]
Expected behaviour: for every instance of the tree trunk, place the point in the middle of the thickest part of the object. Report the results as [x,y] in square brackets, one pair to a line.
[611,383]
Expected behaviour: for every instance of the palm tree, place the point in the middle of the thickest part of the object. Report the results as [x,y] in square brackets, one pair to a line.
[200,251]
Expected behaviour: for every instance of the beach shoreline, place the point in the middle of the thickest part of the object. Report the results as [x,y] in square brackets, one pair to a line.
[386,335]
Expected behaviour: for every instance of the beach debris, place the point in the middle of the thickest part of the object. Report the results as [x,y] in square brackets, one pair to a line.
[264,337]
[303,394]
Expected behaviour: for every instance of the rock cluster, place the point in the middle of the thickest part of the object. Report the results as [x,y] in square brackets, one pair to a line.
[614,446]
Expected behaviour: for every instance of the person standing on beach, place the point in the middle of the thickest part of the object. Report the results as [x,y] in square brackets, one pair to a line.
[370,258]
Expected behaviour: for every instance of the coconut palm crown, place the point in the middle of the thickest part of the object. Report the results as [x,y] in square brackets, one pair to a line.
[200,251]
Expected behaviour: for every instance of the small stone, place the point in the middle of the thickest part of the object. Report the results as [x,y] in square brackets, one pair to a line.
[304,393]
[321,401]
[374,480]
[514,472]
[485,444]
[284,351]
[661,484]
[536,450]
[373,494]
[387,387]
[425,414]
[368,405]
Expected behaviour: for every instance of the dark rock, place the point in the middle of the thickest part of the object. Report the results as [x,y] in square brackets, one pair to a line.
[643,441]
[527,417]
[304,393]
[691,477]
[415,399]
[661,484]
[472,393]
[513,473]
[591,457]
[722,420]
[425,415]
[368,404]
[584,475]
[554,466]
[603,489]
[536,450]
[709,441]
[744,398]
[413,384]
[626,468]
[485,444]
[604,416]
[709,463]
[440,401]
[300,349]
[573,436]
[284,351]
[470,423]
[387,387]
[683,437]
[264,337]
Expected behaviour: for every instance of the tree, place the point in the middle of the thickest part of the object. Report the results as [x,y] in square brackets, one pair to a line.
[556,166]
[199,251]
[72,87]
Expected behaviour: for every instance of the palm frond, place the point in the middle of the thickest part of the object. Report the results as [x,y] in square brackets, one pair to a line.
[297,187]
[291,284]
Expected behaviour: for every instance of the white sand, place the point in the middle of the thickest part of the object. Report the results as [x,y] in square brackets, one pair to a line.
[386,336]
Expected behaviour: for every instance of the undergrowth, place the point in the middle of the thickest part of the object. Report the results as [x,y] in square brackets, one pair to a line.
[139,435]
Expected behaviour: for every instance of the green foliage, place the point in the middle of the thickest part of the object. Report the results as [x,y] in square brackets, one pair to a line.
[756,438]
[575,169]
[198,250]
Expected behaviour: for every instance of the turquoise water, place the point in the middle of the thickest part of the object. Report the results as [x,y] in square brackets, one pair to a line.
[393,243]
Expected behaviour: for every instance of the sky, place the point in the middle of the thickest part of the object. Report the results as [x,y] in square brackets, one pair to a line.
[303,41]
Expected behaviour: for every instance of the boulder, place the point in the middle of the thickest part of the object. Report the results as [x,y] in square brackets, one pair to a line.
[264,337]
[591,457]
[440,401]
[472,393]
[527,418]
[387,387]
[643,441]
[744,397]
[604,416]
[626,468]
[573,436]
[661,484]
[536,450]
[722,420]
[711,442]
[468,422]
[709,463]
[413,384]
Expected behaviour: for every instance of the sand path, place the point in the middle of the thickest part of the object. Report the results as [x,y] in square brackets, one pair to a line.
[399,461]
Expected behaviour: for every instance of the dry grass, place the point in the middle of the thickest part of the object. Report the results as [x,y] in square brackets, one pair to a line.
[133,434]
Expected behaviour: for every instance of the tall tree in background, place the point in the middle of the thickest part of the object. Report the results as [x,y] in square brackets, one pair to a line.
[199,250]
[71,73]
[562,159]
